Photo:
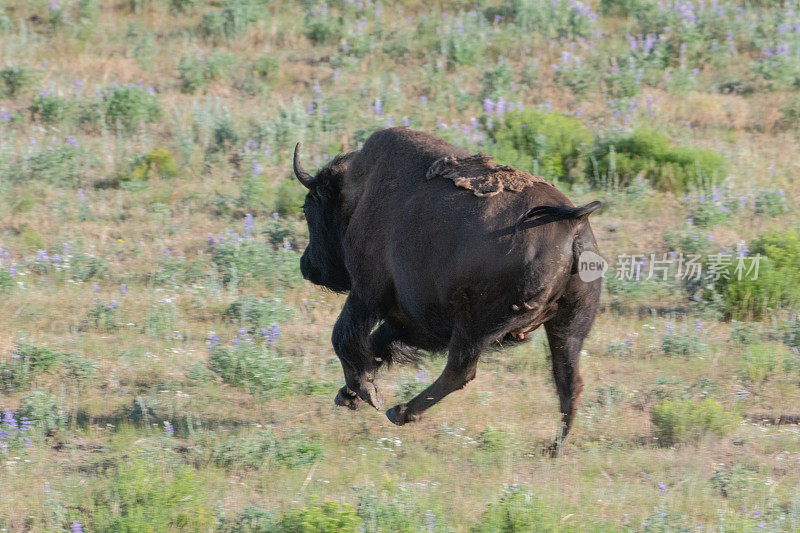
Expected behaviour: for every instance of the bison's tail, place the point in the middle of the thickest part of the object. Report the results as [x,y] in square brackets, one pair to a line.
[544,214]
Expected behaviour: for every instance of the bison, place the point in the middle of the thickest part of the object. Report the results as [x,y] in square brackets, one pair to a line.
[438,249]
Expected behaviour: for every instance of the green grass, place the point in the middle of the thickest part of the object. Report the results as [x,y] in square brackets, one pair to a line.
[164,367]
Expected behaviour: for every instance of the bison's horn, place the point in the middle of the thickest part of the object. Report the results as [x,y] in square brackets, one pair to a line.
[302,176]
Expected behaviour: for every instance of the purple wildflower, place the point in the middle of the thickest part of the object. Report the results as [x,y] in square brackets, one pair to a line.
[168,429]
[662,488]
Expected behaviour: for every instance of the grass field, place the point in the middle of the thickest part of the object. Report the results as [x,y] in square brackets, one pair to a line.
[163,365]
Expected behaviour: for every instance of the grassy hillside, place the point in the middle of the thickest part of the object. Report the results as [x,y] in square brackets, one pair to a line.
[163,366]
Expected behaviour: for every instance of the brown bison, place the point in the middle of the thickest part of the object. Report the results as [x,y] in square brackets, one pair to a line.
[440,249]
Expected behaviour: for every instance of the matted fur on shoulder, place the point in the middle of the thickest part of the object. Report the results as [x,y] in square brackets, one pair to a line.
[480,175]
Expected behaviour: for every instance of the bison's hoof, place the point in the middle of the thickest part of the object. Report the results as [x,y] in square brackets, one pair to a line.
[399,415]
[369,393]
[347,398]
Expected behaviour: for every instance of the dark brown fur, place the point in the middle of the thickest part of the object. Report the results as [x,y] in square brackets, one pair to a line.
[436,267]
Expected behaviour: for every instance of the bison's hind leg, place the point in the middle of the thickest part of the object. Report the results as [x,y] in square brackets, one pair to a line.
[565,334]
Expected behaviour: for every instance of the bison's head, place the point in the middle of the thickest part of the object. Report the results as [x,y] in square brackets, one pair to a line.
[322,262]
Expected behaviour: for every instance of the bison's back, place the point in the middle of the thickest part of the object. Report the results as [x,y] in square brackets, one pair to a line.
[413,243]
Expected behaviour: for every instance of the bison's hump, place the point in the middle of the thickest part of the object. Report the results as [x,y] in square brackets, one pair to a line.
[480,175]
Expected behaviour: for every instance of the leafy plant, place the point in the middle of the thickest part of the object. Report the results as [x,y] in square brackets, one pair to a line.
[678,421]
[253,366]
[749,293]
[557,143]
[651,156]
[16,80]
[328,517]
[127,106]
[144,496]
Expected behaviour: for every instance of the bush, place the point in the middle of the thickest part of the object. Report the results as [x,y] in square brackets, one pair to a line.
[142,496]
[791,332]
[253,366]
[244,451]
[518,511]
[197,72]
[759,362]
[329,517]
[157,162]
[16,80]
[649,155]
[677,421]
[6,281]
[258,312]
[289,198]
[128,106]
[241,260]
[491,439]
[48,108]
[682,343]
[778,281]
[63,165]
[556,142]
[394,511]
[231,21]
[43,411]
[27,361]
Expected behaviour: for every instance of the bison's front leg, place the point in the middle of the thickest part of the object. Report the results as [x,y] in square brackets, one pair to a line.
[352,345]
[462,362]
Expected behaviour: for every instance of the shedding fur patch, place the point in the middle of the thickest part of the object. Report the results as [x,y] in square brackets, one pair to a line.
[480,175]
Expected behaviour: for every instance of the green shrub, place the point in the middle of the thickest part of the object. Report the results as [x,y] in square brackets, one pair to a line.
[679,421]
[240,260]
[778,281]
[244,451]
[556,142]
[16,80]
[770,203]
[143,496]
[231,21]
[649,155]
[682,343]
[157,162]
[6,281]
[743,332]
[27,361]
[760,361]
[393,510]
[289,198]
[63,165]
[48,108]
[323,29]
[128,106]
[78,369]
[253,366]
[258,312]
[329,517]
[518,511]
[491,439]
[197,72]
[43,411]
[791,331]
[104,316]
[249,520]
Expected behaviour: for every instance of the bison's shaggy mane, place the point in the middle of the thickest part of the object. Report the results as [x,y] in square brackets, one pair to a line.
[480,175]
